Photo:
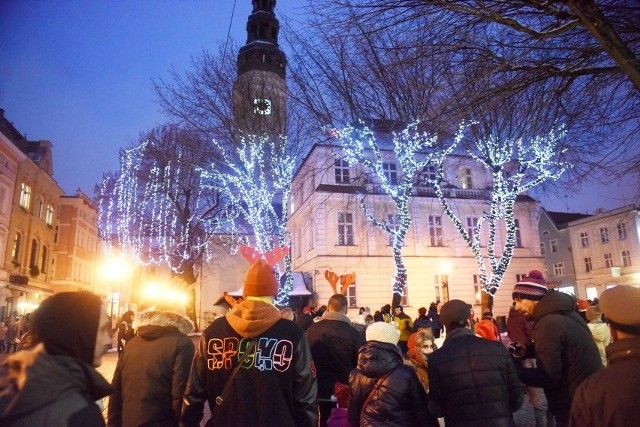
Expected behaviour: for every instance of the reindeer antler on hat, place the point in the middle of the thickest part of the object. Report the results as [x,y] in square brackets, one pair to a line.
[272,257]
[345,281]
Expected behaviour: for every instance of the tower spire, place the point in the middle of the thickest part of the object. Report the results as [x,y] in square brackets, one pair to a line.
[261,51]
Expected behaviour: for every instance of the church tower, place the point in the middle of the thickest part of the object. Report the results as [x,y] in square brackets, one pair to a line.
[260,90]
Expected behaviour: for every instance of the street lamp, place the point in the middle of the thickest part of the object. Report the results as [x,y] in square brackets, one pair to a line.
[115,270]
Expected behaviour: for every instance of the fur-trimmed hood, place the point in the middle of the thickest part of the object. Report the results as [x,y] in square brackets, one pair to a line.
[145,321]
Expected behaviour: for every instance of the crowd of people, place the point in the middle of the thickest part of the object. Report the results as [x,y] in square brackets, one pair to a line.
[258,365]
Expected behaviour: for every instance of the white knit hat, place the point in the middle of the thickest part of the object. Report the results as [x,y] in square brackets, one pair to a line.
[384,332]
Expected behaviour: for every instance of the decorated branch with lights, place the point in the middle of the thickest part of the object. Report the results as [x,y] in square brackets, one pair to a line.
[516,166]
[155,211]
[256,184]
[414,150]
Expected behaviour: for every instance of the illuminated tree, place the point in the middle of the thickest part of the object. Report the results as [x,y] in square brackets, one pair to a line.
[256,184]
[516,166]
[414,149]
[155,210]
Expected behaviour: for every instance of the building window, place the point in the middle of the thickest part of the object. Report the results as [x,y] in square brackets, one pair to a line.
[472,227]
[477,292]
[554,245]
[558,268]
[441,287]
[584,239]
[25,196]
[390,173]
[297,243]
[465,178]
[608,260]
[310,235]
[430,173]
[404,297]
[40,208]
[543,249]
[345,229]
[43,259]
[518,234]
[622,231]
[393,221]
[15,251]
[626,258]
[49,217]
[604,235]
[351,295]
[521,277]
[435,231]
[33,259]
[342,172]
[588,266]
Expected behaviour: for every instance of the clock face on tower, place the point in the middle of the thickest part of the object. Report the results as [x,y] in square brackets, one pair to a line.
[262,106]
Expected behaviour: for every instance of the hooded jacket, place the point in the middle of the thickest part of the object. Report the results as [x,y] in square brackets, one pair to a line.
[276,386]
[473,382]
[399,400]
[152,371]
[610,396]
[565,352]
[38,389]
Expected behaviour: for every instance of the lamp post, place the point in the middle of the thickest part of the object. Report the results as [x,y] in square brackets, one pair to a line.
[115,269]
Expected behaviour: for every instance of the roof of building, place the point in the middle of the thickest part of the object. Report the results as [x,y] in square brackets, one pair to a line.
[561,219]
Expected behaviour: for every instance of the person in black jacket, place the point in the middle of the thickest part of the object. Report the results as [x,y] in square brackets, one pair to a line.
[152,373]
[334,345]
[562,344]
[125,330]
[276,384]
[55,381]
[472,380]
[382,390]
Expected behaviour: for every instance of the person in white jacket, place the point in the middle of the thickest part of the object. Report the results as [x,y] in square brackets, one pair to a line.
[599,330]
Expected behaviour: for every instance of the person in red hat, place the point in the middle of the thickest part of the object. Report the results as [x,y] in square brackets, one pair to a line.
[275,385]
[562,345]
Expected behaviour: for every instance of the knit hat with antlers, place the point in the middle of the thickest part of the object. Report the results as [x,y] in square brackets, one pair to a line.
[261,280]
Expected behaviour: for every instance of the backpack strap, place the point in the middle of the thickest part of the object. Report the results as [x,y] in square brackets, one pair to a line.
[375,387]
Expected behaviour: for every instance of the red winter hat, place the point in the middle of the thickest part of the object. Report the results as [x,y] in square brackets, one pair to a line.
[260,280]
[583,305]
[533,287]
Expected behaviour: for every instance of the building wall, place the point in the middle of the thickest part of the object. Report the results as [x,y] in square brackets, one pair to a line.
[552,237]
[318,199]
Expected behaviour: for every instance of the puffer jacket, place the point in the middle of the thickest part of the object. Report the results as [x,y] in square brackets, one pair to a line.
[565,352]
[152,371]
[473,382]
[399,400]
[275,386]
[37,389]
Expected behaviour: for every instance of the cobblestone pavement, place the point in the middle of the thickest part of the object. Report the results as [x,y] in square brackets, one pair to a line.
[523,417]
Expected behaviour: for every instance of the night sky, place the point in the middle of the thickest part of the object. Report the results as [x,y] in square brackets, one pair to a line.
[79,73]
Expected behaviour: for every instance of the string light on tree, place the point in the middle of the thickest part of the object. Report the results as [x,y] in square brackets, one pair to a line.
[256,184]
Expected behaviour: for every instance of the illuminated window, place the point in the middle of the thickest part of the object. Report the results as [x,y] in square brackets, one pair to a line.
[25,196]
[49,217]
[466,180]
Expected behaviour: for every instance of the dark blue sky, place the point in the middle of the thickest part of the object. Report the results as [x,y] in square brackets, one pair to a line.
[79,73]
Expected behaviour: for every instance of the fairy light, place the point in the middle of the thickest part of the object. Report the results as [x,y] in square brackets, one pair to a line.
[413,150]
[155,210]
[256,181]
[516,166]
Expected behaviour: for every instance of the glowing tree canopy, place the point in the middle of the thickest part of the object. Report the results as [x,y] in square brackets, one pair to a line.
[414,150]
[516,166]
[155,210]
[256,184]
